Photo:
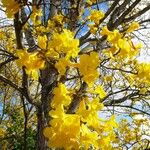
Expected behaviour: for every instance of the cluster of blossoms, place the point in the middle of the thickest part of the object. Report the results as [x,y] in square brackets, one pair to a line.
[1,132]
[144,72]
[84,129]
[12,7]
[94,18]
[142,77]
[32,62]
[60,49]
[89,70]
[121,46]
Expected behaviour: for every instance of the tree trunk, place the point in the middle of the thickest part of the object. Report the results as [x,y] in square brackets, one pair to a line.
[41,141]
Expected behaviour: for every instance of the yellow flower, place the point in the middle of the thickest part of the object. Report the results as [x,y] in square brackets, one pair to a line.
[64,132]
[93,29]
[105,31]
[112,36]
[133,26]
[2,35]
[112,121]
[64,43]
[61,65]
[144,72]
[105,143]
[51,24]
[95,105]
[108,78]
[12,7]
[88,110]
[96,16]
[61,96]
[58,112]
[31,61]
[91,77]
[125,47]
[42,41]
[2,132]
[88,137]
[58,19]
[89,70]
[100,90]
[36,14]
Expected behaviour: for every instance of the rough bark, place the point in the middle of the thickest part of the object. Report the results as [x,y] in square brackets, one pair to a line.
[41,142]
[48,80]
[28,33]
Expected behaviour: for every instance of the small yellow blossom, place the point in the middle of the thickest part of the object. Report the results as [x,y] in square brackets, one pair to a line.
[144,72]
[58,19]
[133,26]
[1,132]
[36,15]
[31,61]
[108,78]
[61,96]
[64,132]
[100,90]
[88,137]
[112,36]
[89,70]
[42,41]
[93,28]
[96,16]
[61,65]
[64,43]
[12,7]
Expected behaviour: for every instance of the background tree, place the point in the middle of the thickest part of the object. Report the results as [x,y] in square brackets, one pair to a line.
[70,74]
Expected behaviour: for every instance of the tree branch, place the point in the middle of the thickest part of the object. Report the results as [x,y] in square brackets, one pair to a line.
[127,106]
[13,85]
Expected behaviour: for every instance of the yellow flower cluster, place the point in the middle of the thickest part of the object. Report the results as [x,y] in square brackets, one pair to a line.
[63,46]
[55,24]
[42,41]
[64,43]
[93,28]
[58,19]
[31,61]
[35,16]
[12,7]
[89,69]
[128,133]
[65,128]
[90,2]
[133,26]
[144,72]
[80,130]
[2,132]
[112,36]
[62,64]
[122,46]
[96,16]
[2,35]
[61,96]
[100,91]
[142,77]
